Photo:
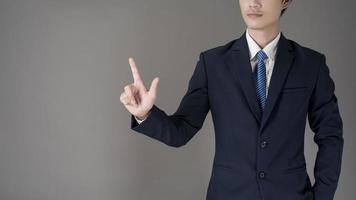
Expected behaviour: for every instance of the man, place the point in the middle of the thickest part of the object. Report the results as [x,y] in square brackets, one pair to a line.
[260,88]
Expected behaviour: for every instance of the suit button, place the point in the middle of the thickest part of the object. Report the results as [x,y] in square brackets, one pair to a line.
[263,144]
[262,174]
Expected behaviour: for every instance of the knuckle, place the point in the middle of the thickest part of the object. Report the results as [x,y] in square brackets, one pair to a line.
[122,99]
[131,86]
[130,89]
[129,94]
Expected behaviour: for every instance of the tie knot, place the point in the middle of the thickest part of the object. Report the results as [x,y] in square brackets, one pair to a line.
[261,55]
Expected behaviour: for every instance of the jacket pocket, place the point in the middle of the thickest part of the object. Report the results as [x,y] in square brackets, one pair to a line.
[223,166]
[299,168]
[294,89]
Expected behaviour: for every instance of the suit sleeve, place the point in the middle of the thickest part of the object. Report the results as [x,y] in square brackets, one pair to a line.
[325,121]
[177,129]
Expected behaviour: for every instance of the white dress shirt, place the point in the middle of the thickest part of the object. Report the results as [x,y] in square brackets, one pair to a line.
[270,49]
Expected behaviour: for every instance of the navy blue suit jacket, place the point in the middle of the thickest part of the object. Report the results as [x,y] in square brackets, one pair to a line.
[259,156]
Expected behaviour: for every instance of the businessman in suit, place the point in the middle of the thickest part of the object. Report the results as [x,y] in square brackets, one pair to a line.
[260,89]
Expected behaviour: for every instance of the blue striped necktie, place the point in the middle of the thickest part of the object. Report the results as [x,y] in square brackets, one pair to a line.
[261,79]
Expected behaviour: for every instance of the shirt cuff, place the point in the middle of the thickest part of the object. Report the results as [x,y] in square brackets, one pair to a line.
[139,121]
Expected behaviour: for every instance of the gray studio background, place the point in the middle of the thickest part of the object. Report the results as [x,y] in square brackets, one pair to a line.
[64,134]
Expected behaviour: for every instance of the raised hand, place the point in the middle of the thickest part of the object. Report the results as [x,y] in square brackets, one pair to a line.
[137,100]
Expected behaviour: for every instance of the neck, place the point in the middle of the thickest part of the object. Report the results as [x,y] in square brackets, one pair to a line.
[263,37]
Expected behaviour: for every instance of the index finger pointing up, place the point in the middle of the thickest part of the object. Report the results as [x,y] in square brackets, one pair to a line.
[135,74]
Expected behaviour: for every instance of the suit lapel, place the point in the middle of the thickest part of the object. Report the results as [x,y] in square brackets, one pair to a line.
[283,62]
[237,60]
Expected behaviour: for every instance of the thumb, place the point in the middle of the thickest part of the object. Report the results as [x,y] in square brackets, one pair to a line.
[154,86]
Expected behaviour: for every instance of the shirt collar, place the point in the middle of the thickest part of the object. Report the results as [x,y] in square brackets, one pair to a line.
[270,49]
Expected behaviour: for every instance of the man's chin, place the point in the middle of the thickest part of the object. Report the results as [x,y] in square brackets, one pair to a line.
[256,28]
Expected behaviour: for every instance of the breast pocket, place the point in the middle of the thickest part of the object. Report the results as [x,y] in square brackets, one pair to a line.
[294,89]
